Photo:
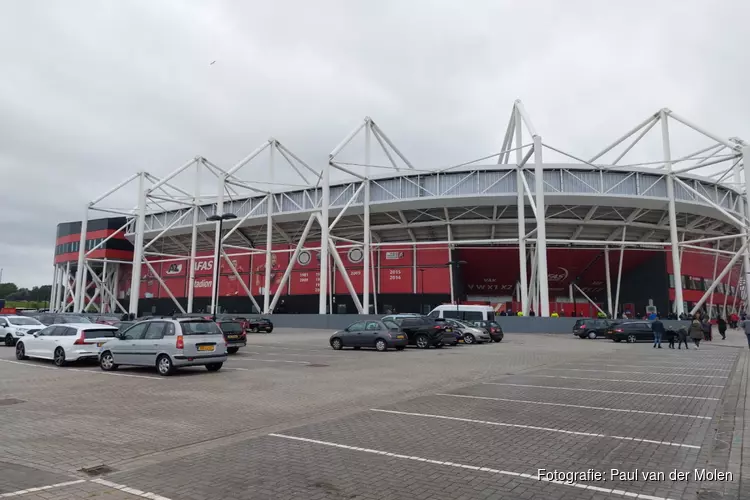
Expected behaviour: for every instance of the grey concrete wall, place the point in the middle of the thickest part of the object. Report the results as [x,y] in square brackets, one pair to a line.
[510,324]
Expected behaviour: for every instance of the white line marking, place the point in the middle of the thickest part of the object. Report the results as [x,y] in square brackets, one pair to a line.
[635,373]
[618,380]
[471,467]
[275,361]
[519,426]
[652,366]
[30,365]
[311,348]
[237,369]
[41,488]
[624,410]
[601,390]
[91,372]
[293,354]
[132,491]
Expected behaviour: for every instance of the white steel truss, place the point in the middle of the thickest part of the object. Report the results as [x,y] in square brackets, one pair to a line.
[697,200]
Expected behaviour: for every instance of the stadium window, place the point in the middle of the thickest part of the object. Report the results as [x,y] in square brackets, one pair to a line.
[671,281]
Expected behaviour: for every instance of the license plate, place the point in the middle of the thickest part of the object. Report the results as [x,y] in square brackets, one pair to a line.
[232,337]
[205,348]
[99,344]
[399,336]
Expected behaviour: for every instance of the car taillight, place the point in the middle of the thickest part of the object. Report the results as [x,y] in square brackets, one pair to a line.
[582,326]
[438,327]
[79,340]
[180,342]
[618,330]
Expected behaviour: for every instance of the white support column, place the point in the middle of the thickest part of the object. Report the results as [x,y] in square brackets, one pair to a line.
[366,217]
[104,298]
[64,298]
[324,202]
[115,286]
[676,265]
[541,230]
[81,269]
[521,204]
[609,282]
[450,269]
[531,299]
[194,239]
[292,261]
[269,236]
[746,213]
[217,244]
[713,278]
[374,280]
[135,281]
[721,276]
[53,290]
[345,276]
[619,271]
[84,289]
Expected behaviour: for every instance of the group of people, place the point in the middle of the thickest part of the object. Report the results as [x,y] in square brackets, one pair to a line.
[700,329]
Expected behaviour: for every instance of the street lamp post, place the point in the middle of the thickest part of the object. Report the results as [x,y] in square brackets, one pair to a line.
[219,219]
[458,264]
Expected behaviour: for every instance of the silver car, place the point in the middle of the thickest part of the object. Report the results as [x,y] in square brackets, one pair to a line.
[472,334]
[167,344]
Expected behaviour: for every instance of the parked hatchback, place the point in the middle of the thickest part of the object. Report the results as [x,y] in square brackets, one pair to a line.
[65,343]
[167,344]
[13,328]
[592,328]
[631,331]
[493,329]
[381,335]
[234,335]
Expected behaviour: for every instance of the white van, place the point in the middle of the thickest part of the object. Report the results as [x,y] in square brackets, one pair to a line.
[464,312]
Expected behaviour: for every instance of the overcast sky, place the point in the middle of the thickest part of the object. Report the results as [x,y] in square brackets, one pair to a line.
[93,91]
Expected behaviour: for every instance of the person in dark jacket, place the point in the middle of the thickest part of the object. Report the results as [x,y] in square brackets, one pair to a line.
[706,325]
[722,323]
[671,336]
[682,336]
[657,327]
[696,332]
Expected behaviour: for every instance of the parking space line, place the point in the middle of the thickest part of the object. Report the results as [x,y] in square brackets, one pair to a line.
[68,369]
[271,346]
[30,365]
[635,373]
[623,410]
[601,390]
[275,361]
[534,427]
[292,354]
[41,488]
[619,380]
[126,489]
[237,369]
[652,366]
[473,468]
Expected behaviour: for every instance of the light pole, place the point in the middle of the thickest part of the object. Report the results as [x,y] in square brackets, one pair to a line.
[458,264]
[219,219]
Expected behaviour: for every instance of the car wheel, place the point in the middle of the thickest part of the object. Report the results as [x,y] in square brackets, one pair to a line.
[254,329]
[439,346]
[631,338]
[164,365]
[232,350]
[497,339]
[422,341]
[20,351]
[591,334]
[357,348]
[59,356]
[400,348]
[337,344]
[469,338]
[214,367]
[617,340]
[107,362]
[380,345]
[9,340]
[269,330]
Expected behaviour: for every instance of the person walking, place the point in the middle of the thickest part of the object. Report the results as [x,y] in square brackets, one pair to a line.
[706,325]
[682,336]
[696,331]
[657,327]
[722,323]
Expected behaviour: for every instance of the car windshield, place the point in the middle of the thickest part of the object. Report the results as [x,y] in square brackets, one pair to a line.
[23,321]
[231,327]
[99,333]
[200,327]
[492,323]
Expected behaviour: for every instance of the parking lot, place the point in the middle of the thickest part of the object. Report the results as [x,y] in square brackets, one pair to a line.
[290,418]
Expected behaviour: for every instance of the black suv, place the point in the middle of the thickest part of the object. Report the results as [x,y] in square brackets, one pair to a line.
[592,328]
[422,331]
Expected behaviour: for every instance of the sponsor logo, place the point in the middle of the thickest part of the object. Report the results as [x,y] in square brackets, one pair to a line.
[356,255]
[202,283]
[304,258]
[556,277]
[490,287]
[394,255]
[204,265]
[174,269]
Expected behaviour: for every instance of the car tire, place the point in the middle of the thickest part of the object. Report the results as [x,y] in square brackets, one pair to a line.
[381,345]
[469,339]
[422,341]
[9,340]
[591,335]
[214,367]
[232,350]
[632,339]
[59,357]
[254,329]
[164,365]
[337,344]
[20,351]
[617,340]
[269,330]
[497,339]
[439,346]
[107,362]
[400,348]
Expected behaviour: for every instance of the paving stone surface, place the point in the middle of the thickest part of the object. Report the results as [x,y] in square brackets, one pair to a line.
[290,418]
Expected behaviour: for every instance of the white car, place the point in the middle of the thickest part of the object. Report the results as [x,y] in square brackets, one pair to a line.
[13,328]
[64,343]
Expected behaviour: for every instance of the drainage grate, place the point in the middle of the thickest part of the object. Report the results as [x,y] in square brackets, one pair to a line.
[10,401]
[97,470]
[314,365]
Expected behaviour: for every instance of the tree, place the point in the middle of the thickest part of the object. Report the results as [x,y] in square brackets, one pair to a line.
[7,289]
